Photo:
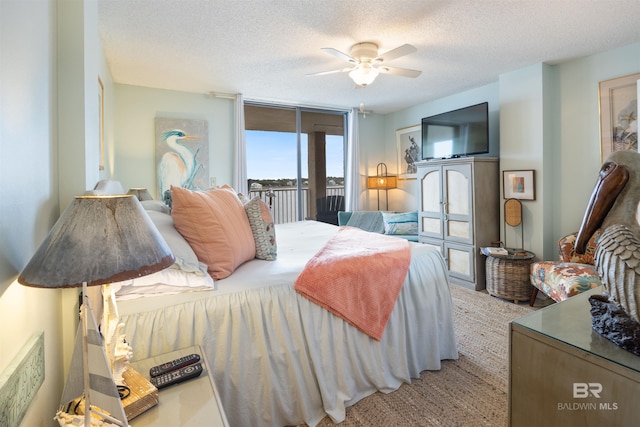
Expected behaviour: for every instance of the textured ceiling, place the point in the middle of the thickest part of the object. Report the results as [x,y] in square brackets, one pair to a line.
[264,48]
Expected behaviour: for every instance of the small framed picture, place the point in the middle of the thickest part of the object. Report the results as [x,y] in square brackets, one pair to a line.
[409,147]
[618,115]
[519,184]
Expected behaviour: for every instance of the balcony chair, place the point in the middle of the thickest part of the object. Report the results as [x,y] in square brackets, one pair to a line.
[327,208]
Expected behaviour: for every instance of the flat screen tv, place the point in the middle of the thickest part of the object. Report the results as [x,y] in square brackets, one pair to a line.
[457,133]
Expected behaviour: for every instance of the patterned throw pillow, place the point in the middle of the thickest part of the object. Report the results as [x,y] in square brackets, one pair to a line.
[263,229]
[244,199]
[400,223]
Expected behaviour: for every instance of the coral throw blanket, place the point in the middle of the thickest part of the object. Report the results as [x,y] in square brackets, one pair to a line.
[357,276]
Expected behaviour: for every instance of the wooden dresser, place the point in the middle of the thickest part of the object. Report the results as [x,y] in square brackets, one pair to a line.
[562,373]
[458,213]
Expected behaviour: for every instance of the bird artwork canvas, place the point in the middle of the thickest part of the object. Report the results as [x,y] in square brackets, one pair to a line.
[409,148]
[182,154]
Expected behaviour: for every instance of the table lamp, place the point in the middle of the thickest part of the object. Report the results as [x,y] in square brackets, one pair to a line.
[141,193]
[382,181]
[97,240]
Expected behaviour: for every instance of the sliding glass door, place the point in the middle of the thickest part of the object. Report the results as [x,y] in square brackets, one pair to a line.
[295,158]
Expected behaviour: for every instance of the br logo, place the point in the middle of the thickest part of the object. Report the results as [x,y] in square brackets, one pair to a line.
[584,390]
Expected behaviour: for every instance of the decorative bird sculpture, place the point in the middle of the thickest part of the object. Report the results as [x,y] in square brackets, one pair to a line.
[614,208]
[179,166]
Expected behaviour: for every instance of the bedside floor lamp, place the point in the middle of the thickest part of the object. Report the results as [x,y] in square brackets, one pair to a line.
[98,240]
[382,181]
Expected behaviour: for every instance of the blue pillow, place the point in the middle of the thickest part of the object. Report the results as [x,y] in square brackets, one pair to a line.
[400,223]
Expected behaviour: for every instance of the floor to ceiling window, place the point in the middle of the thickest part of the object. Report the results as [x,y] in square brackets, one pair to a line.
[295,157]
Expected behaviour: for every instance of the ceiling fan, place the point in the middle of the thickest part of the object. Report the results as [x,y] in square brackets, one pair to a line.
[367,64]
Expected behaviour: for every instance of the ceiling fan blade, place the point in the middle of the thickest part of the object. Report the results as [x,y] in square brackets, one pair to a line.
[403,50]
[338,54]
[404,72]
[322,73]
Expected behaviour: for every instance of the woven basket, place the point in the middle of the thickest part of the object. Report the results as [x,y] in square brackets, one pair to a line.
[509,278]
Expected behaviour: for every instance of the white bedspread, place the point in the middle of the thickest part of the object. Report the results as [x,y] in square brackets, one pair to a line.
[277,358]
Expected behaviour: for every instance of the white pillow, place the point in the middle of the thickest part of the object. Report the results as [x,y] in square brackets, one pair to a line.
[186,259]
[155,205]
[164,282]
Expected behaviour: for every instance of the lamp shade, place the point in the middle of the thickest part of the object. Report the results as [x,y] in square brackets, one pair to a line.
[98,240]
[141,193]
[382,181]
[385,182]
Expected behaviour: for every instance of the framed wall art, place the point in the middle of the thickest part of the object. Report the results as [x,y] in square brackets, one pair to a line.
[182,154]
[100,124]
[519,184]
[409,147]
[618,114]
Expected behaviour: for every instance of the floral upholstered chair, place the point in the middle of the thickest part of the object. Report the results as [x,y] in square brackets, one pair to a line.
[571,275]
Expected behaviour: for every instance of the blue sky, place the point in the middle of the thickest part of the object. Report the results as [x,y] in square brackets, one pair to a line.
[272,155]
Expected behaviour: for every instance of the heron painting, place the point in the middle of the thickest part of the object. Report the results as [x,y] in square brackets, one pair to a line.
[182,154]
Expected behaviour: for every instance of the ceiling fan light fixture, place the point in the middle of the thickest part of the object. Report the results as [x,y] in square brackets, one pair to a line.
[367,64]
[364,75]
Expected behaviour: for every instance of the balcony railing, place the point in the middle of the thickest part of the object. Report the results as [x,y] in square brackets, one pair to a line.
[283,202]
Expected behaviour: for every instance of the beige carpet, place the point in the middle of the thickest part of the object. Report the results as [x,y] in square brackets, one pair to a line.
[470,391]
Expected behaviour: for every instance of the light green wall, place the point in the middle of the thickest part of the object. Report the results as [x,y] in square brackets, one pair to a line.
[49,152]
[29,189]
[372,152]
[78,69]
[134,140]
[522,130]
[405,196]
[32,156]
[542,117]
[577,150]
[548,121]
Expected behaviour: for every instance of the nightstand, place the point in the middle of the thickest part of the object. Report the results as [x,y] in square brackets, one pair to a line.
[194,402]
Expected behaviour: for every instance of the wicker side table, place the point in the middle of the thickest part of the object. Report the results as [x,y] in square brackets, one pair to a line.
[508,276]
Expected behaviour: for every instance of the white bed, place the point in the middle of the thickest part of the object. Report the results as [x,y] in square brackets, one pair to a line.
[279,359]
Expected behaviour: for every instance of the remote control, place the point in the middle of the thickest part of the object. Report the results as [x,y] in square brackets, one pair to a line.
[178,376]
[174,365]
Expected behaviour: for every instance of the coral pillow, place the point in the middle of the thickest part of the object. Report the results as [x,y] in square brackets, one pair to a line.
[216,226]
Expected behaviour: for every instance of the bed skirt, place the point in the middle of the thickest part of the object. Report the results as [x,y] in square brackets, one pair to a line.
[278,359]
